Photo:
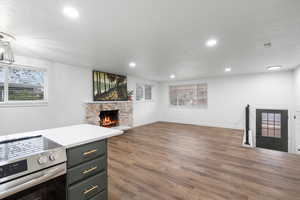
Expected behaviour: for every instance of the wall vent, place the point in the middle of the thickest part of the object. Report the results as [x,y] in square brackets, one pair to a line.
[268,45]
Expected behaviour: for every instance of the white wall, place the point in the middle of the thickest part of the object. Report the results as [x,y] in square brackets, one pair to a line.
[69,88]
[144,112]
[297,107]
[227,98]
[297,87]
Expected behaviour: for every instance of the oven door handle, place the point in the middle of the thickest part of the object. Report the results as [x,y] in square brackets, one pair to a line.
[28,181]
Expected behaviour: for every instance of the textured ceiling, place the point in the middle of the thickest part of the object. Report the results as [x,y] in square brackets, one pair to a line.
[162,36]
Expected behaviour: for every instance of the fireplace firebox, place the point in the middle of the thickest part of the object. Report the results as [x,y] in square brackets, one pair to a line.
[109,118]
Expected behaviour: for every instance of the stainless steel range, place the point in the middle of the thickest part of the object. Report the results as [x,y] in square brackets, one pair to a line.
[32,168]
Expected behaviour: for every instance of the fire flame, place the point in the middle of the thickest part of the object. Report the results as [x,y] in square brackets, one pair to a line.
[106,122]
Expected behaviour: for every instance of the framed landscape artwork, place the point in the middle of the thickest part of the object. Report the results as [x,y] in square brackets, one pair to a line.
[109,87]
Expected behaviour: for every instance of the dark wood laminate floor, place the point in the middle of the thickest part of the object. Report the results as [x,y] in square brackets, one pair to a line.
[165,161]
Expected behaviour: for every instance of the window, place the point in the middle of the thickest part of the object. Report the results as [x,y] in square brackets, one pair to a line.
[1,84]
[148,92]
[139,92]
[22,84]
[188,95]
[143,92]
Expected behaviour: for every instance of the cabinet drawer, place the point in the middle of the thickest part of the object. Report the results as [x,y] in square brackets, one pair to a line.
[88,188]
[86,170]
[100,196]
[85,153]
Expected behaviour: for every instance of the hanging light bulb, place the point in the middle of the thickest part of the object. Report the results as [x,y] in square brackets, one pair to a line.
[6,54]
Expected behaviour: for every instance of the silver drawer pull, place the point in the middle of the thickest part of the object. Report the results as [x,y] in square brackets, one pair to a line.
[91,189]
[89,170]
[90,152]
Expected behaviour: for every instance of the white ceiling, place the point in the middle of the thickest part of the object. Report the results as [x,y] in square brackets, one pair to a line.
[162,36]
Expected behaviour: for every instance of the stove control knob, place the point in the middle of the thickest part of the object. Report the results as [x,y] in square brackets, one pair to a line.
[42,160]
[52,157]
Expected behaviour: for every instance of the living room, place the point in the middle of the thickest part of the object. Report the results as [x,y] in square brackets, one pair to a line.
[201,95]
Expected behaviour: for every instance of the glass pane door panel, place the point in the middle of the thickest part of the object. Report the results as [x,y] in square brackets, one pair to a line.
[271,124]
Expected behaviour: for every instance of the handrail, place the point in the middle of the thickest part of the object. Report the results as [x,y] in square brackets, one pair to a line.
[247,124]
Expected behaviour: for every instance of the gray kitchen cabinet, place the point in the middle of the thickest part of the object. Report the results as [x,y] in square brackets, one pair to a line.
[83,153]
[87,171]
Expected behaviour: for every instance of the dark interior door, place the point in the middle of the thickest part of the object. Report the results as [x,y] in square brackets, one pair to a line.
[272,129]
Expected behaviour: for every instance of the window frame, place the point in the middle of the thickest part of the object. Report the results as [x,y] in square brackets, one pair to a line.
[143,86]
[13,103]
[151,90]
[195,91]
[138,85]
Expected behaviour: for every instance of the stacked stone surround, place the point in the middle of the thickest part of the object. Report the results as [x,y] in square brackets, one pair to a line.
[125,112]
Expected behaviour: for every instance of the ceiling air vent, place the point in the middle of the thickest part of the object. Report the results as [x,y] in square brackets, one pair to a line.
[268,45]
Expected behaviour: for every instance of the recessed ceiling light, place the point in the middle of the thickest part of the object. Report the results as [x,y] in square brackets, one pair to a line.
[71,12]
[172,76]
[274,68]
[228,69]
[211,42]
[132,65]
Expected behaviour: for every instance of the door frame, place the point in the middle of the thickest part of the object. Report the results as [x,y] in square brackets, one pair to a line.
[284,140]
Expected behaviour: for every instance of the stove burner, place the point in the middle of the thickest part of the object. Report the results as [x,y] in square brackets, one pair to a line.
[21,147]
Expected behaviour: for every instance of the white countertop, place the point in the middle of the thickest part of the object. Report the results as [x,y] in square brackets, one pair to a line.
[71,136]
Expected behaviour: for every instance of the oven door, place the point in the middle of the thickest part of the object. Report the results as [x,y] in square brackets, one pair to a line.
[49,184]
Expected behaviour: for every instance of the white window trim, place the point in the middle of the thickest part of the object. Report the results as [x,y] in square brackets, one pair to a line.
[7,103]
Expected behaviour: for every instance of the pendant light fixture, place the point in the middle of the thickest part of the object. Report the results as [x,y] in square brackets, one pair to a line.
[6,53]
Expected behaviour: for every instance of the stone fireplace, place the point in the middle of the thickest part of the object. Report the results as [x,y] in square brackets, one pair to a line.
[119,113]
